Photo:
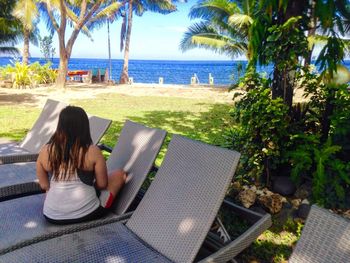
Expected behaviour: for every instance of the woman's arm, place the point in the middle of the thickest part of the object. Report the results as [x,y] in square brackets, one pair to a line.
[41,171]
[99,167]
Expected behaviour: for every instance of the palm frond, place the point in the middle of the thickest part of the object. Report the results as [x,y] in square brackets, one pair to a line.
[205,36]
[106,13]
[27,12]
[240,20]
[210,9]
[159,6]
[9,50]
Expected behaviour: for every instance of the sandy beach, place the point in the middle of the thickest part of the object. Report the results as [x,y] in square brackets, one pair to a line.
[74,91]
[37,97]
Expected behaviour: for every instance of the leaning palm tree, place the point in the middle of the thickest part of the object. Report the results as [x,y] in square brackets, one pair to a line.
[224,26]
[27,12]
[82,16]
[139,7]
[10,28]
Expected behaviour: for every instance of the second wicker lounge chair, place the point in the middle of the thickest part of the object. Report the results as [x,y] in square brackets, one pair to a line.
[40,133]
[22,221]
[19,178]
[324,239]
[169,225]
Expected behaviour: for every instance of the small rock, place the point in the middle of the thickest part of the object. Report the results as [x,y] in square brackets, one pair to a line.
[260,192]
[245,187]
[303,191]
[268,193]
[295,203]
[304,210]
[284,200]
[284,186]
[247,198]
[253,188]
[305,201]
[236,186]
[273,203]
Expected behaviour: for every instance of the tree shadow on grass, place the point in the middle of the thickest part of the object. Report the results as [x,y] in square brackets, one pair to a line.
[206,126]
[15,99]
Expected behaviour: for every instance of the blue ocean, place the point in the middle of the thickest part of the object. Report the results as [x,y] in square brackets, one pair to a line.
[172,71]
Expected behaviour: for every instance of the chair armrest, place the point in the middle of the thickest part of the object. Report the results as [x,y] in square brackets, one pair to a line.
[19,190]
[21,158]
[231,249]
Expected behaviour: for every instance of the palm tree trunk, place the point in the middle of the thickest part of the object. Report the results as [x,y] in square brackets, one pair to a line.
[124,78]
[109,51]
[63,66]
[25,57]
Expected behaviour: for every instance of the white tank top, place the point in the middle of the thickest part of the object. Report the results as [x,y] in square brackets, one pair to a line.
[70,199]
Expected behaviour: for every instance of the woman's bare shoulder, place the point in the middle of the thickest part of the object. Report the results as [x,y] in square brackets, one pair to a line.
[44,150]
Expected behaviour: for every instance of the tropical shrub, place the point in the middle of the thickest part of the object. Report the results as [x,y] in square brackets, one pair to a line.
[44,74]
[28,76]
[309,142]
[263,128]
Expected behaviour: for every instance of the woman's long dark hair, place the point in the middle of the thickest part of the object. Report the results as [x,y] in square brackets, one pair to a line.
[70,142]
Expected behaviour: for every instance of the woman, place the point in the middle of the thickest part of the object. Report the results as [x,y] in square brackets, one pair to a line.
[78,171]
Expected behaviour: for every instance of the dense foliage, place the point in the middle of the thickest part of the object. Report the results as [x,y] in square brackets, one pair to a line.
[308,141]
[28,76]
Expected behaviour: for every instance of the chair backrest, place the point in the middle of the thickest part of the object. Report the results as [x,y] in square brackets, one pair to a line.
[98,127]
[135,152]
[102,71]
[324,239]
[179,207]
[44,126]
[94,72]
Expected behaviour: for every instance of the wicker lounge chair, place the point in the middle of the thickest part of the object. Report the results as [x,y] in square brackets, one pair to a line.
[324,239]
[169,225]
[19,178]
[135,152]
[40,133]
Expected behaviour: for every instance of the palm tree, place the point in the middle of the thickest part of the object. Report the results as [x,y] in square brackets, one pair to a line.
[82,15]
[27,12]
[10,28]
[224,26]
[139,7]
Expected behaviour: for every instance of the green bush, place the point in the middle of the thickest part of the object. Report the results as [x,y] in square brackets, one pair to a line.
[309,142]
[28,76]
[263,127]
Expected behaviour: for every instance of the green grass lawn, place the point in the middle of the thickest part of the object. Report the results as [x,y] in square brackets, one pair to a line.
[195,118]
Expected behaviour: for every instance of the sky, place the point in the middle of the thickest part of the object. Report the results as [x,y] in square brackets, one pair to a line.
[154,36]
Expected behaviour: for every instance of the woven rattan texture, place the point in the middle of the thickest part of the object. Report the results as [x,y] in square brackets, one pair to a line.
[98,127]
[135,152]
[179,207]
[112,243]
[23,223]
[325,239]
[16,179]
[18,158]
[11,148]
[44,126]
[16,173]
[22,219]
